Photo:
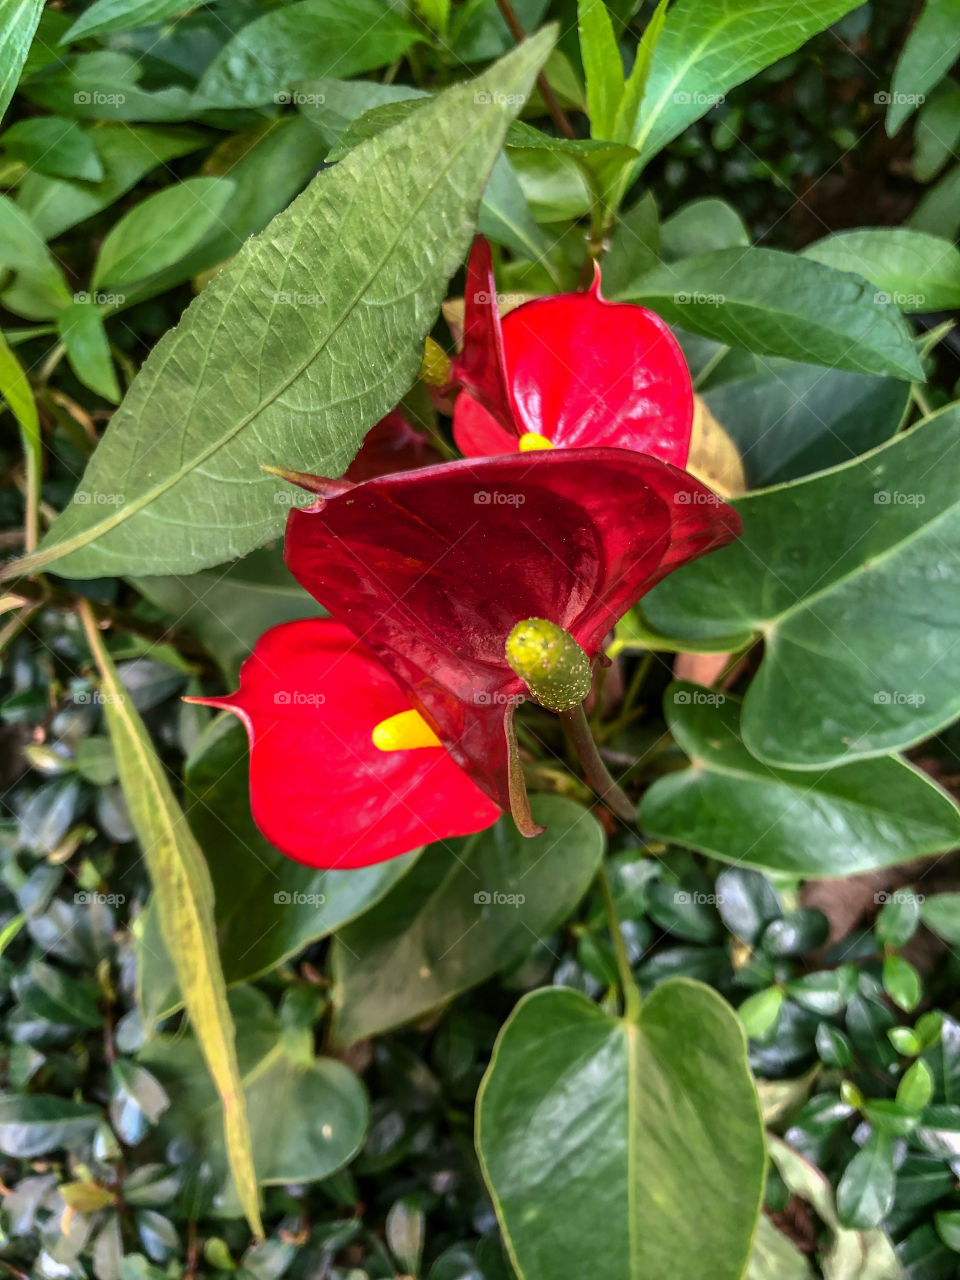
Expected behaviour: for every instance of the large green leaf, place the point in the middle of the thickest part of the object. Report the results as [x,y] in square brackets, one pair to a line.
[308,1115]
[468,909]
[308,337]
[184,898]
[602,67]
[266,907]
[708,46]
[852,578]
[789,420]
[781,305]
[597,1135]
[929,53]
[914,271]
[18,22]
[310,38]
[867,814]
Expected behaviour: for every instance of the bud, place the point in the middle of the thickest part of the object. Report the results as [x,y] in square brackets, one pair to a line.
[435,366]
[551,663]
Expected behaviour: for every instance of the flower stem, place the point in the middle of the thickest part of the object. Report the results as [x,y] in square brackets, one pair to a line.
[631,992]
[615,798]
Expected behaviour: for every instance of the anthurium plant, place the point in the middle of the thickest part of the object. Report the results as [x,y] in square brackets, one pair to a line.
[479,635]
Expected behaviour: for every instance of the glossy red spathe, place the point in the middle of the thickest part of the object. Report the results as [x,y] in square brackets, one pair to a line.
[310,697]
[573,368]
[433,568]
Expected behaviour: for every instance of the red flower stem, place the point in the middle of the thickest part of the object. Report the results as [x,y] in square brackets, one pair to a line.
[557,113]
[615,798]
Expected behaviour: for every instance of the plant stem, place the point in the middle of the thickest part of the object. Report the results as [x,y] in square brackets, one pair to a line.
[617,801]
[557,113]
[627,711]
[631,992]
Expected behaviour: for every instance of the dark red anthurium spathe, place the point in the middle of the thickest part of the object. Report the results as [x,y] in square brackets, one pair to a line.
[571,370]
[312,697]
[391,445]
[432,569]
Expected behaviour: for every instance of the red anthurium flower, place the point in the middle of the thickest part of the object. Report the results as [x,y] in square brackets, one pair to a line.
[570,370]
[343,772]
[432,569]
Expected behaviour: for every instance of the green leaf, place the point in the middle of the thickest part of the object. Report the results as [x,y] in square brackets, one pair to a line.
[774,1257]
[778,304]
[947,1222]
[833,572]
[308,1115]
[584,1119]
[760,1012]
[160,231]
[937,132]
[18,397]
[127,154]
[850,819]
[833,1046]
[865,1192]
[708,46]
[469,908]
[635,88]
[184,898]
[266,907]
[22,250]
[88,349]
[927,56]
[901,982]
[701,227]
[33,1124]
[938,213]
[898,918]
[941,913]
[104,86]
[602,67]
[789,420]
[106,16]
[52,145]
[310,38]
[911,270]
[345,303]
[915,1090]
[18,22]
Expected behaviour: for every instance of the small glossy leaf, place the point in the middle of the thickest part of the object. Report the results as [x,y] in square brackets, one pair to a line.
[833,1046]
[469,908]
[915,1090]
[897,919]
[34,1124]
[628,1124]
[941,913]
[901,982]
[732,806]
[865,1192]
[747,902]
[759,1013]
